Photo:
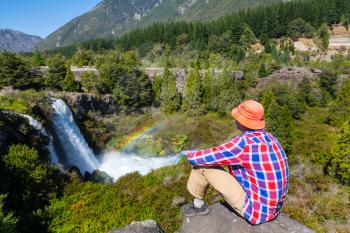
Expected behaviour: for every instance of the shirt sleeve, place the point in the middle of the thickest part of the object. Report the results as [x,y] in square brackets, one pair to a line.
[228,153]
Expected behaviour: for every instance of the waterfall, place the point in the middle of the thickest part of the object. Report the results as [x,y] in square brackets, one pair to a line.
[78,152]
[38,126]
[75,148]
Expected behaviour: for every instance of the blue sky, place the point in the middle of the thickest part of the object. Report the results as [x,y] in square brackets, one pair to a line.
[41,17]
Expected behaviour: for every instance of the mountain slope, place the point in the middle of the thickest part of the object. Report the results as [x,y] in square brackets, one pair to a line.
[112,18]
[16,41]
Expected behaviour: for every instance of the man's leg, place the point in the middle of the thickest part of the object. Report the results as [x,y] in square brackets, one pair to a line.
[220,180]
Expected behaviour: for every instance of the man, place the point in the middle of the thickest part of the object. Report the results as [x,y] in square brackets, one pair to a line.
[257,181]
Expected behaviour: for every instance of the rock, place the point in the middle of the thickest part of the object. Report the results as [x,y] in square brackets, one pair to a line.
[99,177]
[148,226]
[83,103]
[290,76]
[238,75]
[178,201]
[223,220]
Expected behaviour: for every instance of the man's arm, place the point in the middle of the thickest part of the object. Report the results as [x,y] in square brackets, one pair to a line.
[226,154]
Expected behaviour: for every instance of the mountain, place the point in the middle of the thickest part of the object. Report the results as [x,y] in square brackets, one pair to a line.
[112,18]
[16,41]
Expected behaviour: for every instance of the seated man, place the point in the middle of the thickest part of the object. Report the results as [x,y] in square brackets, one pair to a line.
[257,181]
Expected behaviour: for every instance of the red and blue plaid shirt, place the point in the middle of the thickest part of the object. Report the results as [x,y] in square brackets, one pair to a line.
[258,162]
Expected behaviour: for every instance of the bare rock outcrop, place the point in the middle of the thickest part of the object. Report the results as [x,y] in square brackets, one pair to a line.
[290,76]
[222,220]
[148,226]
[83,103]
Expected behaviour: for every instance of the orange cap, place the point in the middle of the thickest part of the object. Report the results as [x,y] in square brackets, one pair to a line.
[250,114]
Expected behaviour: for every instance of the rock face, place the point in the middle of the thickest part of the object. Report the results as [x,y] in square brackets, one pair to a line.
[290,76]
[222,220]
[15,41]
[83,103]
[148,226]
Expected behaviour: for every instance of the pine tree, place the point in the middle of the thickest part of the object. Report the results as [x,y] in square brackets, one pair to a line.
[279,122]
[69,83]
[208,89]
[157,89]
[169,96]
[263,72]
[341,106]
[193,98]
[339,164]
[56,72]
[266,100]
[248,37]
[37,58]
[324,35]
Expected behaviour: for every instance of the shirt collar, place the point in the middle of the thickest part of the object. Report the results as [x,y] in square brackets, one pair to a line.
[254,131]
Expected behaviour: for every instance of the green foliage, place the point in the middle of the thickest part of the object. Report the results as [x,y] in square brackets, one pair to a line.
[192,101]
[169,96]
[157,89]
[339,164]
[83,57]
[69,83]
[7,220]
[266,99]
[14,71]
[340,109]
[90,82]
[120,75]
[56,73]
[280,123]
[300,28]
[247,38]
[37,59]
[324,35]
[328,81]
[15,104]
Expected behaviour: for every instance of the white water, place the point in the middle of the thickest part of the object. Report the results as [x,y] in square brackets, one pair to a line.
[38,126]
[72,141]
[117,164]
[78,153]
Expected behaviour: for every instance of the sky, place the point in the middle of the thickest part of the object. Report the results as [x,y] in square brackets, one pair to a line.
[41,17]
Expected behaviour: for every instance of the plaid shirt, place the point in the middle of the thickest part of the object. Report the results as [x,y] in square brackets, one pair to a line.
[258,162]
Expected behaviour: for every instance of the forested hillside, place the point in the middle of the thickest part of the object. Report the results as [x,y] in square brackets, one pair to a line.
[113,18]
[246,55]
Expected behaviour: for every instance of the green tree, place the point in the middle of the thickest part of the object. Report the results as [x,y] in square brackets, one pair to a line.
[248,37]
[169,96]
[56,73]
[7,220]
[37,59]
[324,35]
[339,164]
[83,57]
[263,72]
[122,77]
[69,83]
[266,99]
[208,89]
[192,101]
[157,89]
[14,71]
[279,122]
[228,95]
[341,107]
[300,28]
[90,82]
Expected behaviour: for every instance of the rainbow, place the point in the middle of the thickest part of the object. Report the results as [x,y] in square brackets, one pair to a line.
[136,135]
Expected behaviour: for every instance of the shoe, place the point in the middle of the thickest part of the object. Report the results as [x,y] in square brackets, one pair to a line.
[190,210]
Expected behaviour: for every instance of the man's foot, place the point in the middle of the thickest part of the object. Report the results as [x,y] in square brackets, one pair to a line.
[190,210]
